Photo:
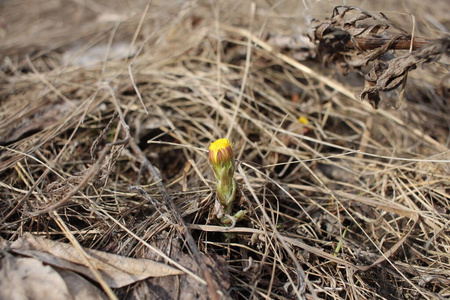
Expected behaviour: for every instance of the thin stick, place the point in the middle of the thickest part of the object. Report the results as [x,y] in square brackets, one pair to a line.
[403,43]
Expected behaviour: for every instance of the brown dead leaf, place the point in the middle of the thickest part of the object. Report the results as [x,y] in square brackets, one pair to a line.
[350,44]
[116,270]
[28,278]
[80,288]
[385,76]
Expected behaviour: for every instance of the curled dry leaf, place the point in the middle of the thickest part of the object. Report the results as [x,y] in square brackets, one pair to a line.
[385,76]
[350,44]
[116,270]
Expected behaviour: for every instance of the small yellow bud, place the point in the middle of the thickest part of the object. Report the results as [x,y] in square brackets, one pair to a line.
[220,152]
[303,120]
[222,163]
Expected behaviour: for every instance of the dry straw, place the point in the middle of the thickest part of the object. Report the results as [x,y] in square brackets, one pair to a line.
[136,181]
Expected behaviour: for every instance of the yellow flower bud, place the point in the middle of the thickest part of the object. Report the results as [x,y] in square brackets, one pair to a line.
[304,120]
[222,163]
[220,152]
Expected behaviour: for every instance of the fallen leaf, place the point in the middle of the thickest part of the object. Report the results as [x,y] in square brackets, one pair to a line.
[26,278]
[80,288]
[116,270]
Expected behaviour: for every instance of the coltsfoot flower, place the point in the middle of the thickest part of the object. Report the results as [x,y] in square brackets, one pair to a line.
[222,163]
[220,151]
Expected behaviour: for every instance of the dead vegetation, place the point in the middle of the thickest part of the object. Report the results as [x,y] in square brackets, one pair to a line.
[104,129]
[351,43]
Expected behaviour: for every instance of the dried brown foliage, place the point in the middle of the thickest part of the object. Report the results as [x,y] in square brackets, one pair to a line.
[349,40]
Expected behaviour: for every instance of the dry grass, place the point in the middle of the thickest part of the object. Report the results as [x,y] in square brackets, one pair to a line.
[353,205]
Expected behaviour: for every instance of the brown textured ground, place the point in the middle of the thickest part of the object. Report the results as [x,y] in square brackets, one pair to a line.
[353,205]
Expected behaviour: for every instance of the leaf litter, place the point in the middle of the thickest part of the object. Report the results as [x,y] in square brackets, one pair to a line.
[88,172]
[118,271]
[352,44]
